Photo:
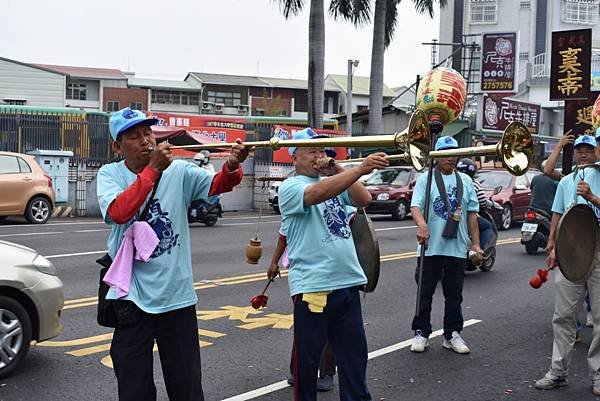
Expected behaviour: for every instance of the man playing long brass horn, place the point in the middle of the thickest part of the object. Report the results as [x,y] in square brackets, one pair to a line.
[583,185]
[325,278]
[454,205]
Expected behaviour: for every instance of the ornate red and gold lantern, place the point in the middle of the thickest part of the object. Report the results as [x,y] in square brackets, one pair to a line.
[442,94]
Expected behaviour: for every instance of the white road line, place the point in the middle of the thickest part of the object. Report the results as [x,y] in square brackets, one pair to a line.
[271,388]
[26,234]
[64,255]
[92,231]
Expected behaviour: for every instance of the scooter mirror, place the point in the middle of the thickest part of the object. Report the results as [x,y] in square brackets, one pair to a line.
[497,190]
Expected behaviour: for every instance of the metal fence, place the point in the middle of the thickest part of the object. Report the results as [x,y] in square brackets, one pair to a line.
[85,134]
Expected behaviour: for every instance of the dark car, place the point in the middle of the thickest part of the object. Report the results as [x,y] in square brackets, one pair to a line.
[514,197]
[391,191]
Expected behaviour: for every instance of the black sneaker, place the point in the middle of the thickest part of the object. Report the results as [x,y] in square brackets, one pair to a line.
[290,379]
[325,383]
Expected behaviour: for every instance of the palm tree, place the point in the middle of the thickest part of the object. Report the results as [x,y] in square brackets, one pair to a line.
[384,26]
[316,45]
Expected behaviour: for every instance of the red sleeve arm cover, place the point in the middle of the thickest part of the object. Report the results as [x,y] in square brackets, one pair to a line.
[128,202]
[224,180]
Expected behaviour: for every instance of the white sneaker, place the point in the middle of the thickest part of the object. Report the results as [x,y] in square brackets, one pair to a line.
[419,343]
[456,344]
[589,321]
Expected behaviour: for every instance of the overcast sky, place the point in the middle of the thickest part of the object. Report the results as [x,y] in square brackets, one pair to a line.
[166,39]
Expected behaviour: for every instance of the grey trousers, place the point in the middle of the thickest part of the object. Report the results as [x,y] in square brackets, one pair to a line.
[569,299]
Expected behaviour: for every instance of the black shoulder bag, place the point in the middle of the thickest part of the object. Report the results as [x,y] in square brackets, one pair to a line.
[451,228]
[107,316]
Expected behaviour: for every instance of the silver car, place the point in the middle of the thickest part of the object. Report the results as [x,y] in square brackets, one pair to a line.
[31,299]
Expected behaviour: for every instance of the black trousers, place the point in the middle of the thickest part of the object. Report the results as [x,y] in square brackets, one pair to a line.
[451,271]
[176,335]
[341,323]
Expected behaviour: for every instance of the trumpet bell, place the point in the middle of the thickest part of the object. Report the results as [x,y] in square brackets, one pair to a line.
[576,253]
[516,148]
[418,142]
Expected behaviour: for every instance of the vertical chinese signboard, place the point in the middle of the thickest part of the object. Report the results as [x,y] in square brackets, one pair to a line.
[570,65]
[499,63]
[578,115]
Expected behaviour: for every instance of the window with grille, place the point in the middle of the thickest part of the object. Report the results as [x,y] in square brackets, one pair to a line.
[15,102]
[136,106]
[581,11]
[526,4]
[523,56]
[175,97]
[229,99]
[112,105]
[484,11]
[76,91]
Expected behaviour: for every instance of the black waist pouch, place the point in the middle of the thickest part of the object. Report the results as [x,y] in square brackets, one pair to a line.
[106,315]
[451,228]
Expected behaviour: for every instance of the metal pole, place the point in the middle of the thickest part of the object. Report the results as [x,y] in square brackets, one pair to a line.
[349,98]
[435,127]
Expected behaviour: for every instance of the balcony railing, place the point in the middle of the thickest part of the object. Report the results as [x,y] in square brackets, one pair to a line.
[541,66]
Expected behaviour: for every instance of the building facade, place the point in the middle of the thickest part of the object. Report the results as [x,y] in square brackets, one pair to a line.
[464,21]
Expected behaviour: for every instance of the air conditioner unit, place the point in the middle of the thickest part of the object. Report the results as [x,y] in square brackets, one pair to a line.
[207,106]
[243,108]
[219,107]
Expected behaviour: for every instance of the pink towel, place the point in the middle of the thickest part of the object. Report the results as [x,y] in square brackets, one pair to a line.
[142,239]
[284,262]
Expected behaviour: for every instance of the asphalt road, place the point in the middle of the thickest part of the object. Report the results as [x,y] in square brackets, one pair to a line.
[244,351]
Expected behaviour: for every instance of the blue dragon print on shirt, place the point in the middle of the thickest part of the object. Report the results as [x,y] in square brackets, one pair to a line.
[439,206]
[335,218]
[163,227]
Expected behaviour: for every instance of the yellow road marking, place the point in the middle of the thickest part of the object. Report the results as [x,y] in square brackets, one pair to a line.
[250,278]
[274,320]
[231,312]
[79,341]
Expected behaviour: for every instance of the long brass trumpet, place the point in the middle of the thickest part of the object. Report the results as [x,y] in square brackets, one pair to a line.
[413,141]
[515,149]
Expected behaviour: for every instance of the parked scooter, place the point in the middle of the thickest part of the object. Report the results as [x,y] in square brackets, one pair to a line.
[535,230]
[489,257]
[202,212]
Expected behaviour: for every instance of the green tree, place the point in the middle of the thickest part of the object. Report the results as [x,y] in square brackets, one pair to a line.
[349,9]
[384,27]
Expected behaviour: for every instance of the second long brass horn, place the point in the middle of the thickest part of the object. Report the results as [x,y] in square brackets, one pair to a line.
[515,149]
[413,141]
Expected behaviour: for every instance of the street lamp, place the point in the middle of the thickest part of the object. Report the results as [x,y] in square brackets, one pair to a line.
[352,64]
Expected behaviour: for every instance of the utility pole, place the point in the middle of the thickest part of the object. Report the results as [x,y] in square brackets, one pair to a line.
[351,65]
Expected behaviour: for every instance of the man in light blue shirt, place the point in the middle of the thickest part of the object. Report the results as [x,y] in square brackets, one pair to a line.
[160,306]
[452,220]
[325,276]
[581,186]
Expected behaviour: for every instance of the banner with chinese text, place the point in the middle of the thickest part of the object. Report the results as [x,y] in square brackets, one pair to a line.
[499,63]
[499,112]
[570,66]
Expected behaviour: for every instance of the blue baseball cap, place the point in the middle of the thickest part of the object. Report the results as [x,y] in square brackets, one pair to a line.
[446,142]
[308,133]
[585,140]
[126,118]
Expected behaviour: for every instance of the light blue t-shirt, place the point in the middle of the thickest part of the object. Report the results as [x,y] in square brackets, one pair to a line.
[320,243]
[438,215]
[565,192]
[165,282]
